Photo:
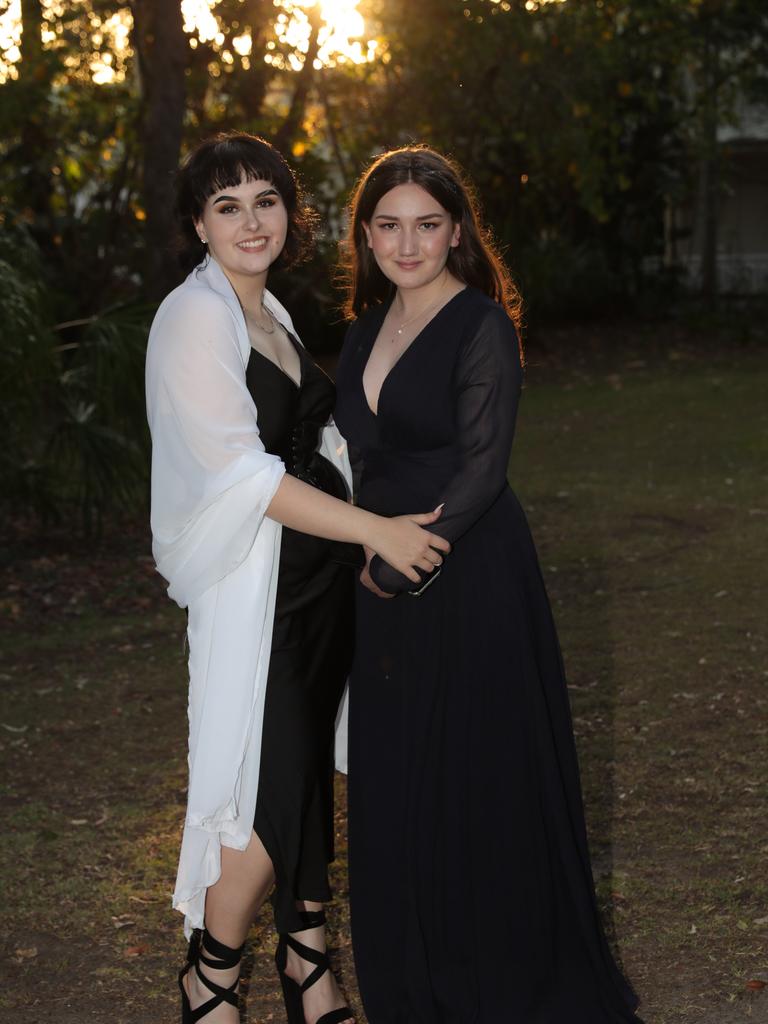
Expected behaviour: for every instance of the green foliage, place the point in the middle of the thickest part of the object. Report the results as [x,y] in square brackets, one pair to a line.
[576,281]
[71,398]
[27,372]
[100,442]
[578,121]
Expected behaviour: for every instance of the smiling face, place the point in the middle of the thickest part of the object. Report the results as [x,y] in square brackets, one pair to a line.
[411,235]
[245,227]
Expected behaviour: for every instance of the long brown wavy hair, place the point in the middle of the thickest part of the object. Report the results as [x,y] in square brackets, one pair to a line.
[475,260]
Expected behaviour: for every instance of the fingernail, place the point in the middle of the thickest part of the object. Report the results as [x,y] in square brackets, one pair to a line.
[440,506]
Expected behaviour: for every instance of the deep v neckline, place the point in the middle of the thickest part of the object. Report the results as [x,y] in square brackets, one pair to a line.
[402,356]
[276,366]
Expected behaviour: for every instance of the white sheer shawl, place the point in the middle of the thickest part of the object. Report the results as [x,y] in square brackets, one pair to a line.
[212,482]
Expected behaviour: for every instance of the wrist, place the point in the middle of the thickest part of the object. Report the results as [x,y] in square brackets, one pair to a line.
[370,535]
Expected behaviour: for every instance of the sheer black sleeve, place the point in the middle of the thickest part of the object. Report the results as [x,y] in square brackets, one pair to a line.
[489,378]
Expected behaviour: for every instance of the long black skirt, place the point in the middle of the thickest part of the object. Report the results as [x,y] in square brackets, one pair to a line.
[471,890]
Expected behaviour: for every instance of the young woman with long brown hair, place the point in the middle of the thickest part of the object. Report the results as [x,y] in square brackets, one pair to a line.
[471,891]
[248,497]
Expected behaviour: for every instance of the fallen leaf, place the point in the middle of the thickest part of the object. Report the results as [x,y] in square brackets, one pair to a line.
[78,821]
[25,954]
[755,984]
[135,950]
[123,921]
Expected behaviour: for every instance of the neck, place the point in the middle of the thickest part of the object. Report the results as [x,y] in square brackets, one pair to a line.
[409,302]
[249,290]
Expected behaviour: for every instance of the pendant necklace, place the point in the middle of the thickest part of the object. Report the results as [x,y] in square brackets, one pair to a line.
[401,328]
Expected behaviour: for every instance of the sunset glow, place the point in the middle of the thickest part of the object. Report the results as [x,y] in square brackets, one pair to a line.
[10,38]
[342,37]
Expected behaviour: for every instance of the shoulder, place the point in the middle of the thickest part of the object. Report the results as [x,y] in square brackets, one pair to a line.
[370,319]
[489,338]
[483,311]
[190,301]
[351,333]
[485,320]
[360,329]
[192,314]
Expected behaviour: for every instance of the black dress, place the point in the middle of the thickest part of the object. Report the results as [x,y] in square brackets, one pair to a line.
[311,649]
[471,890]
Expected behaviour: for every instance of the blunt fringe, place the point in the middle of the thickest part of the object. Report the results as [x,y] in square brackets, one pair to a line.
[222,162]
[475,260]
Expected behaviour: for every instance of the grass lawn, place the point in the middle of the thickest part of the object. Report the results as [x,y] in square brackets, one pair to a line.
[645,476]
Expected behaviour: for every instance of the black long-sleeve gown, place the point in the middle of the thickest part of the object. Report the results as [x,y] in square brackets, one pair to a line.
[471,889]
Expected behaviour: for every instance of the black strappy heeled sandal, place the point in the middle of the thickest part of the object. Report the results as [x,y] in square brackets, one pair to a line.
[224,957]
[292,991]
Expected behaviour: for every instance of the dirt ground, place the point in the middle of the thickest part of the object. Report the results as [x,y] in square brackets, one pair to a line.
[643,468]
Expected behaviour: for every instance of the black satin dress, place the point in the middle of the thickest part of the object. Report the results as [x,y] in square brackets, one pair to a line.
[311,648]
[471,890]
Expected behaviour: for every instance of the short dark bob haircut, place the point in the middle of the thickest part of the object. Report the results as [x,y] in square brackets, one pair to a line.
[475,260]
[222,162]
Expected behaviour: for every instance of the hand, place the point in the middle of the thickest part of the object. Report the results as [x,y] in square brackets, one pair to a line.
[406,546]
[365,575]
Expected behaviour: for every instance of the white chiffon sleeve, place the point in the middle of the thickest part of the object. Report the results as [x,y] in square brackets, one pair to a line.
[212,480]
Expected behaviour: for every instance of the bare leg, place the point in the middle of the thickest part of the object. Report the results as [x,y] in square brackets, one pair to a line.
[324,995]
[230,907]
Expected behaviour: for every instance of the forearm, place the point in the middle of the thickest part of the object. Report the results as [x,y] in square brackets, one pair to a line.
[309,510]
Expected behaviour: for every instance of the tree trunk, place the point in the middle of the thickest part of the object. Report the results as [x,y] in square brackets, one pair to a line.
[345,175]
[286,134]
[709,176]
[252,85]
[36,147]
[163,53]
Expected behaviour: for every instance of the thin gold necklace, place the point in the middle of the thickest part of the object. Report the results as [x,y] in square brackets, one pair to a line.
[401,328]
[259,325]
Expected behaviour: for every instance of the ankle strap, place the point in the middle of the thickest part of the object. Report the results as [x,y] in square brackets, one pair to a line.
[310,919]
[314,956]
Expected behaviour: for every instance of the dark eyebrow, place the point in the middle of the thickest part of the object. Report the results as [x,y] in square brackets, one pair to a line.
[271,191]
[427,216]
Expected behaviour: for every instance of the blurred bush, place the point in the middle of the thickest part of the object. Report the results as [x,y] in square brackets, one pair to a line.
[71,397]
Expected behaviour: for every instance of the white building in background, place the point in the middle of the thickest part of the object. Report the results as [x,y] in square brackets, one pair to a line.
[742,226]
